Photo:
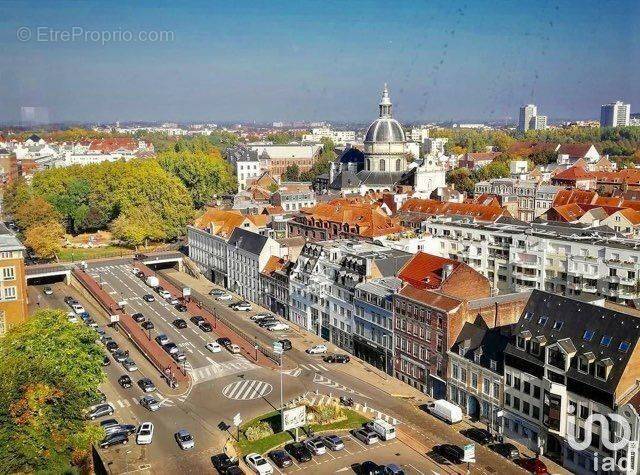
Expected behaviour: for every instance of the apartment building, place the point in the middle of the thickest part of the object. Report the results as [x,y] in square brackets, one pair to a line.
[274,282]
[13,282]
[568,259]
[294,200]
[571,361]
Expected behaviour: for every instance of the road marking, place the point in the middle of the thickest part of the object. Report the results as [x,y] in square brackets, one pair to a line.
[246,390]
[324,381]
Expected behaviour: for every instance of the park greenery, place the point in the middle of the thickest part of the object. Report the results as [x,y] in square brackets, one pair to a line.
[50,370]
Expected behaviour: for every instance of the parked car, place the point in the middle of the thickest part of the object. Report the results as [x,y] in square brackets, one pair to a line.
[278,327]
[286,344]
[150,403]
[334,442]
[223,463]
[76,307]
[173,301]
[317,349]
[120,355]
[225,297]
[366,436]
[100,410]
[121,428]
[69,300]
[241,306]
[170,348]
[106,361]
[148,325]
[111,345]
[144,435]
[114,439]
[316,446]
[261,316]
[258,464]
[179,323]
[138,317]
[180,307]
[299,451]
[533,465]
[197,320]
[48,291]
[125,381]
[146,385]
[185,439]
[445,410]
[107,423]
[452,453]
[213,347]
[216,292]
[148,298]
[130,365]
[336,359]
[224,341]
[393,469]
[164,294]
[267,322]
[482,436]
[507,450]
[205,327]
[179,356]
[280,458]
[234,349]
[162,339]
[369,467]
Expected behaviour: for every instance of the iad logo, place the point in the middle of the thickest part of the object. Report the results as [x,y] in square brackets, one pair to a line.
[624,440]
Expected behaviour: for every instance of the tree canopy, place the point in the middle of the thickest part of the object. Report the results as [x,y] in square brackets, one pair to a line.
[50,370]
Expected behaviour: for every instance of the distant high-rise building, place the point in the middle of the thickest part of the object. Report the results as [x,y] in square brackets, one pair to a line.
[530,120]
[615,114]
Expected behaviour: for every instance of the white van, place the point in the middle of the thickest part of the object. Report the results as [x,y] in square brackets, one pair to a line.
[445,410]
[384,430]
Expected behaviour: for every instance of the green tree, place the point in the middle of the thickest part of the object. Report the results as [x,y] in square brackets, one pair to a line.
[45,239]
[36,211]
[136,226]
[50,370]
[292,173]
[461,179]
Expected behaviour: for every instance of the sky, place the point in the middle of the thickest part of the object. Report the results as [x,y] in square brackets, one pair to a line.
[272,60]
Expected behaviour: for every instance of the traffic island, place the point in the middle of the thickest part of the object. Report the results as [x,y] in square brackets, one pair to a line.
[265,433]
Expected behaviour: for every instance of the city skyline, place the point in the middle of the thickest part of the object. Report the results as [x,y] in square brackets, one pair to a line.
[243,63]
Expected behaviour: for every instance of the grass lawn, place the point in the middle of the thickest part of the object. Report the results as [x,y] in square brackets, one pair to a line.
[261,446]
[81,254]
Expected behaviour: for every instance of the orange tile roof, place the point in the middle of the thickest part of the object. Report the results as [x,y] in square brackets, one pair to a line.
[632,215]
[564,197]
[569,212]
[425,271]
[430,298]
[273,264]
[633,204]
[271,210]
[109,145]
[440,208]
[222,221]
[608,201]
[574,173]
[574,149]
[260,220]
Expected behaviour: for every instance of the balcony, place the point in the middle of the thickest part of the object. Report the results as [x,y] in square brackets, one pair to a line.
[621,264]
[526,275]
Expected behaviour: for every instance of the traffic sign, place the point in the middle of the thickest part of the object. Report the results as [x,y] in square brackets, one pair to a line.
[237,420]
[469,453]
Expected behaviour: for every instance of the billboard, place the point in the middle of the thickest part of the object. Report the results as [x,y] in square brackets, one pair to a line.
[294,417]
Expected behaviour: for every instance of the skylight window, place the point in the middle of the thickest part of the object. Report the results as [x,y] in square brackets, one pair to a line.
[557,325]
[624,346]
[543,321]
[606,340]
[588,335]
[527,316]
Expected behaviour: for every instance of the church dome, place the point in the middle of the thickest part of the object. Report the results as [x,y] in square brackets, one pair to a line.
[385,128]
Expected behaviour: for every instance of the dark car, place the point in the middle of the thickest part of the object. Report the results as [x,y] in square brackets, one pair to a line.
[206,327]
[114,439]
[148,325]
[138,317]
[146,385]
[197,320]
[224,341]
[127,429]
[223,463]
[162,339]
[280,458]
[265,322]
[111,346]
[181,307]
[452,453]
[179,323]
[482,436]
[125,381]
[69,300]
[170,348]
[298,451]
[508,451]
[148,298]
[533,465]
[369,468]
[286,344]
[336,359]
[106,361]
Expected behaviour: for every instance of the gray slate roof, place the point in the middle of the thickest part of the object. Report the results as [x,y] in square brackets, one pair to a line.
[248,241]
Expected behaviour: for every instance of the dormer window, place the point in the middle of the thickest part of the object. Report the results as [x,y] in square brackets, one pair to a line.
[543,321]
[476,358]
[624,346]
[461,350]
[520,342]
[601,371]
[527,316]
[606,340]
[588,335]
[583,364]
[557,325]
[494,365]
[535,348]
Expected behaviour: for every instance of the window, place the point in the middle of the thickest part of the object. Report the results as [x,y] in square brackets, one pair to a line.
[535,348]
[9,273]
[474,380]
[486,386]
[624,346]
[583,365]
[526,387]
[476,358]
[382,165]
[606,340]
[508,382]
[535,412]
[584,411]
[557,325]
[516,383]
[525,407]
[527,316]
[520,343]
[588,335]
[9,293]
[516,403]
[507,399]
[601,371]
[494,365]
[543,321]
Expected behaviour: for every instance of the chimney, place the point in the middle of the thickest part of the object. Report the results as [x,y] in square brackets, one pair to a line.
[332,172]
[447,269]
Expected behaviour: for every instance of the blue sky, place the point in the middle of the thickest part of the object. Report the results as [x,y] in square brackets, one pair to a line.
[312,60]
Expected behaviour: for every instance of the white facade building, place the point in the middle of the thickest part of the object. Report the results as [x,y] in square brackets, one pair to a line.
[616,114]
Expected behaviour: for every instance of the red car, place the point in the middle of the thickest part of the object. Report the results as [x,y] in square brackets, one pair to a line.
[535,466]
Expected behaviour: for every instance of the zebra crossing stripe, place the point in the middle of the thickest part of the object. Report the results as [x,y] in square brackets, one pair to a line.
[246,390]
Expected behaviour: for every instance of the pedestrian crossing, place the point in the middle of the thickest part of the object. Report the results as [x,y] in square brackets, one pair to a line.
[314,367]
[246,390]
[219,370]
[324,381]
[320,399]
[128,402]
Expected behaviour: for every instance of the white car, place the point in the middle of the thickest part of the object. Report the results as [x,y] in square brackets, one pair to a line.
[224,297]
[71,316]
[173,301]
[213,347]
[258,464]
[260,316]
[317,349]
[316,446]
[234,349]
[241,307]
[278,327]
[77,308]
[164,294]
[144,435]
[184,439]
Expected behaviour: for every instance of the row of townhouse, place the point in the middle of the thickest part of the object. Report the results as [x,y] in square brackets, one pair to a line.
[564,258]
[563,381]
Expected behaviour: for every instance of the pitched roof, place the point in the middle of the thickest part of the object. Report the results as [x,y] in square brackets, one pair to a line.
[482,156]
[574,149]
[439,208]
[110,145]
[527,148]
[274,264]
[632,215]
[573,173]
[426,271]
[569,212]
[490,341]
[222,222]
[248,241]
[574,196]
[430,298]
